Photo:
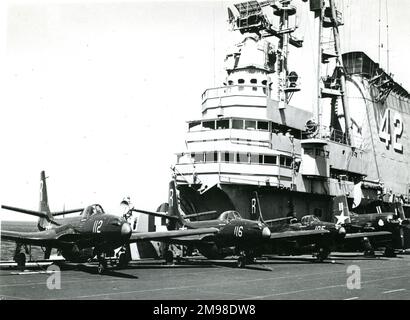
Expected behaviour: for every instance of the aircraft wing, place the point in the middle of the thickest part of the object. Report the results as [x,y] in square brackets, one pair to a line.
[297,234]
[39,214]
[45,238]
[173,236]
[367,234]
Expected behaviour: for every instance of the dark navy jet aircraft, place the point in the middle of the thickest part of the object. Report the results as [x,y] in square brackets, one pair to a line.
[80,238]
[391,222]
[234,235]
[339,232]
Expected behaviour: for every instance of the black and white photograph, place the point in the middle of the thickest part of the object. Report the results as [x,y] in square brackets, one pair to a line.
[222,152]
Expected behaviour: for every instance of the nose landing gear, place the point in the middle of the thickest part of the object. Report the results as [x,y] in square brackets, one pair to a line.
[102,263]
[244,259]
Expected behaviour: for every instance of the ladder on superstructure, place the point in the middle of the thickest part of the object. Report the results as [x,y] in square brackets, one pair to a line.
[331,86]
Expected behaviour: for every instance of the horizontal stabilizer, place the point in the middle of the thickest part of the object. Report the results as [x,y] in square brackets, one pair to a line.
[200,214]
[279,219]
[60,213]
[156,214]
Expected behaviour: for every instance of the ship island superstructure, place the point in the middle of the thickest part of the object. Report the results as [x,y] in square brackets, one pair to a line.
[250,136]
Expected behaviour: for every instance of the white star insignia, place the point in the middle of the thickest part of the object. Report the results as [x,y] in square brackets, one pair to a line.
[341,218]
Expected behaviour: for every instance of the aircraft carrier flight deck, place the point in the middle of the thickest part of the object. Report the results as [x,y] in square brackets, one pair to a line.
[279,278]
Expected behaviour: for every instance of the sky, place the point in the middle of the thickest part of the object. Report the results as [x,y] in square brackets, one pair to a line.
[97,93]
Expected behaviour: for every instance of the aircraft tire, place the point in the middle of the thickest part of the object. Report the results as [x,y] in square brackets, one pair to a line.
[20,258]
[169,256]
[389,252]
[322,254]
[122,260]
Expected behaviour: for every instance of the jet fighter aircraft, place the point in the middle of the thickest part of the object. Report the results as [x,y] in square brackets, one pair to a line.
[393,222]
[339,232]
[235,235]
[80,238]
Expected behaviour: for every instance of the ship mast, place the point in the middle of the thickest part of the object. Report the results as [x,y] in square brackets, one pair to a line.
[341,71]
[318,115]
[334,86]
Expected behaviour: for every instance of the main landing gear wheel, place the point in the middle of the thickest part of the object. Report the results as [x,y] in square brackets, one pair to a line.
[20,258]
[122,260]
[368,248]
[169,257]
[322,254]
[389,252]
[369,253]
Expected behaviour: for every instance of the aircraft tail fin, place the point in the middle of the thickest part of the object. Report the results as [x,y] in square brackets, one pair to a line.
[173,207]
[44,223]
[43,207]
[256,211]
[340,210]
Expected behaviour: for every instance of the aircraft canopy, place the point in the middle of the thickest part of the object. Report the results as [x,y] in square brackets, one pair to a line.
[92,210]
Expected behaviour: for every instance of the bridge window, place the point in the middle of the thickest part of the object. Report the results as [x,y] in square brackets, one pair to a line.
[227,157]
[241,81]
[222,124]
[211,156]
[254,81]
[288,162]
[282,160]
[241,158]
[197,156]
[250,124]
[237,124]
[263,125]
[254,158]
[209,125]
[308,151]
[320,153]
[195,126]
[269,159]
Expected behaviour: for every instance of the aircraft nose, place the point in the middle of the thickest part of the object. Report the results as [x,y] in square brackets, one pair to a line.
[266,232]
[126,230]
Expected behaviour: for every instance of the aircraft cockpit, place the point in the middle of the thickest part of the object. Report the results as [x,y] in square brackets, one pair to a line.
[308,220]
[92,210]
[229,215]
